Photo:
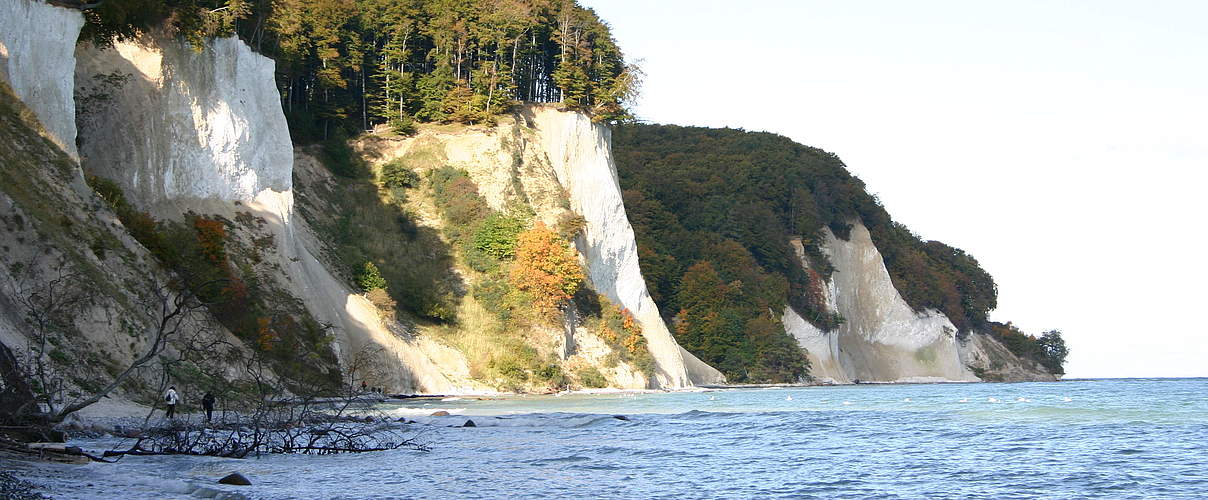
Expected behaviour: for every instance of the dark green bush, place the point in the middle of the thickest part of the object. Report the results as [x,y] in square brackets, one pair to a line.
[369,278]
[591,377]
[397,175]
[496,236]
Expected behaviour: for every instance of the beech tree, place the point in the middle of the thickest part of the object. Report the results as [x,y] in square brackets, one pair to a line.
[546,268]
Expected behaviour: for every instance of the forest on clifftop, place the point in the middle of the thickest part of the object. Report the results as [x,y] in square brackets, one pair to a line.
[344,66]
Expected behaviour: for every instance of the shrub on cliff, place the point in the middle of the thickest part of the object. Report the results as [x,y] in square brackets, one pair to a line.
[621,331]
[546,268]
[498,235]
[369,278]
[395,174]
[462,208]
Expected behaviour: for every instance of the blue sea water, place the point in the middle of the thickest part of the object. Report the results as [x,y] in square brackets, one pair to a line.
[1134,438]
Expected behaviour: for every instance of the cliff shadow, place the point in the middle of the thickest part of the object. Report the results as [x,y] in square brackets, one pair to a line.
[361,223]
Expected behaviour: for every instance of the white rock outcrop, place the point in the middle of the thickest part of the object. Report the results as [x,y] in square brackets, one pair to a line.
[176,123]
[580,153]
[882,339]
[37,58]
[182,129]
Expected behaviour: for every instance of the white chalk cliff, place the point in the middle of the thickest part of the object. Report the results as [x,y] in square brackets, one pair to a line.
[581,155]
[204,131]
[882,339]
[37,58]
[175,109]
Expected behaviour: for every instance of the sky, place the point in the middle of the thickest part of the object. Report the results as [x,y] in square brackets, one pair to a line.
[1064,144]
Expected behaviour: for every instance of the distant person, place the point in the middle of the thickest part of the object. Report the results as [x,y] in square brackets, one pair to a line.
[171,398]
[364,386]
[207,403]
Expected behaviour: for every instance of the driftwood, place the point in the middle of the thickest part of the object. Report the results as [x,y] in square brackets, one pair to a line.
[54,452]
[320,434]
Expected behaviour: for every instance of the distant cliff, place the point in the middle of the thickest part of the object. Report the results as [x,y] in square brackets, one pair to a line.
[749,240]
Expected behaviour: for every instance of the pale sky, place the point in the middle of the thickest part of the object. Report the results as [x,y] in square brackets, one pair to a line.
[1063,144]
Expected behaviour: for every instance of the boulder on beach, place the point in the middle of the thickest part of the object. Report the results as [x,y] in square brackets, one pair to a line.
[235,478]
[440,413]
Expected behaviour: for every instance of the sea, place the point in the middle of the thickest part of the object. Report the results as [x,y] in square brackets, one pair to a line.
[1118,439]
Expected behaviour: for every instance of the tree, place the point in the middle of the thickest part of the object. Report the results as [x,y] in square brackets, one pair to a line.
[369,278]
[546,268]
[171,315]
[1054,351]
[499,235]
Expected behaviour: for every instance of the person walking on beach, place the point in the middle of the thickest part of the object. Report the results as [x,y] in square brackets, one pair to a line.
[207,402]
[171,398]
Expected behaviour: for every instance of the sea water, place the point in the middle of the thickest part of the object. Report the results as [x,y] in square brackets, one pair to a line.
[1136,438]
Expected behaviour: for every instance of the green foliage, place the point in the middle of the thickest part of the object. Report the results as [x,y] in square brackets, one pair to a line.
[497,236]
[395,174]
[369,278]
[402,126]
[195,20]
[591,377]
[519,365]
[109,192]
[686,187]
[1053,350]
[60,357]
[496,295]
[456,195]
[726,325]
[1049,350]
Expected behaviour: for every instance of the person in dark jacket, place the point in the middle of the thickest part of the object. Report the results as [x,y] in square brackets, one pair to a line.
[207,403]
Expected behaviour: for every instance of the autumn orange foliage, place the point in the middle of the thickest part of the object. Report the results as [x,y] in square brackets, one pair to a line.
[211,237]
[265,336]
[546,268]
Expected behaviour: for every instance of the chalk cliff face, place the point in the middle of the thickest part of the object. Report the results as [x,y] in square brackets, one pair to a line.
[184,130]
[580,153]
[882,339]
[168,109]
[37,58]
